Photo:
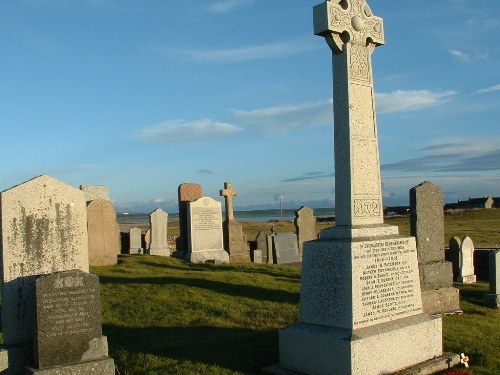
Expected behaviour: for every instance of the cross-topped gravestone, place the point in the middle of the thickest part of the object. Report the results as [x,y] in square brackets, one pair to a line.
[352,32]
[228,193]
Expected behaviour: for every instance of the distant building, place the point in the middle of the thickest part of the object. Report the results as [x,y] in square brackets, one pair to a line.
[471,203]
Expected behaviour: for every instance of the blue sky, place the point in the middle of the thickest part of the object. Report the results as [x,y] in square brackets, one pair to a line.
[144,95]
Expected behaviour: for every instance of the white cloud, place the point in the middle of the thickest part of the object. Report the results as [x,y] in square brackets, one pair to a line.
[227,5]
[187,132]
[280,120]
[411,100]
[488,89]
[249,53]
[468,57]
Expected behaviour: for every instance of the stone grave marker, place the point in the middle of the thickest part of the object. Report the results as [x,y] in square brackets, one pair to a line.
[285,248]
[147,240]
[158,220]
[68,335]
[466,272]
[93,192]
[234,239]
[454,255]
[187,192]
[205,240]
[261,244]
[305,226]
[135,241]
[271,256]
[103,233]
[360,299]
[427,226]
[492,298]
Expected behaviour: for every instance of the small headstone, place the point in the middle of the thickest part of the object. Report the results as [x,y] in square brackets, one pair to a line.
[93,192]
[68,320]
[158,220]
[257,256]
[147,239]
[261,244]
[135,241]
[187,192]
[492,298]
[205,240]
[285,248]
[305,226]
[466,272]
[427,226]
[103,232]
[454,255]
[271,256]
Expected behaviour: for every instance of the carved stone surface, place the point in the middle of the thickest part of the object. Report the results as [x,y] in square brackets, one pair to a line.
[103,232]
[158,220]
[466,272]
[135,241]
[305,226]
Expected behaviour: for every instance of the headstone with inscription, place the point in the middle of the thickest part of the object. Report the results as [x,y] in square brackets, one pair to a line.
[234,239]
[285,248]
[158,220]
[135,241]
[103,233]
[205,238]
[466,272]
[93,192]
[68,336]
[360,300]
[305,226]
[492,299]
[187,192]
[427,225]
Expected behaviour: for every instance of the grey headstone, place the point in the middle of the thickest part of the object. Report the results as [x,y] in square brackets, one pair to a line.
[285,248]
[454,255]
[466,271]
[305,226]
[135,241]
[103,232]
[261,241]
[492,298]
[158,220]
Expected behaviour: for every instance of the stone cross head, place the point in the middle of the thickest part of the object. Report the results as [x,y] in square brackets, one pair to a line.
[228,193]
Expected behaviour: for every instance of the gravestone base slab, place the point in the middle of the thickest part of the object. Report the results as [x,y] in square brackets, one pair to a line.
[164,252]
[207,256]
[435,275]
[442,301]
[492,300]
[379,349]
[105,366]
[235,244]
[469,279]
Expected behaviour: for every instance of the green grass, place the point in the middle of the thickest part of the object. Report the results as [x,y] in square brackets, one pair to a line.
[164,316]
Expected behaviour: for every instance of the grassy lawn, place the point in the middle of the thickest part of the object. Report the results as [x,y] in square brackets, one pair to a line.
[164,316]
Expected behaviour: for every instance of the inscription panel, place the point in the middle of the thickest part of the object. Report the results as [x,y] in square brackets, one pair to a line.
[386,281]
[68,318]
[205,225]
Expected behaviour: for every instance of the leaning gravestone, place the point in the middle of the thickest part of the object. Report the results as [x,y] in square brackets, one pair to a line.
[135,241]
[360,299]
[285,248]
[93,192]
[205,238]
[492,299]
[427,226]
[187,192]
[103,233]
[305,226]
[466,271]
[44,230]
[68,336]
[158,220]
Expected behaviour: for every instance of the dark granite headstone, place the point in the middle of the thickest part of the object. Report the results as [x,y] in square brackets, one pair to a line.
[285,248]
[68,319]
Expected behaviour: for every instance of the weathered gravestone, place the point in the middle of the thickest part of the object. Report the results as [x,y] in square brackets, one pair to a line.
[234,239]
[492,298]
[93,192]
[205,238]
[261,245]
[285,248]
[135,241]
[453,255]
[103,233]
[68,337]
[466,270]
[158,220]
[147,239]
[427,226]
[187,192]
[360,300]
[305,226]
[44,230]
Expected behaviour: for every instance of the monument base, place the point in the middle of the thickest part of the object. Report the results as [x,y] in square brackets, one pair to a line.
[443,301]
[379,349]
[207,256]
[164,252]
[105,366]
[469,279]
[492,300]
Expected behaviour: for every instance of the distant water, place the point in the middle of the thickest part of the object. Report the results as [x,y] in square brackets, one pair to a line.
[254,215]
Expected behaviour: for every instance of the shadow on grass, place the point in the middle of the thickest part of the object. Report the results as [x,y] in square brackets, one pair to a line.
[253,292]
[474,293]
[235,349]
